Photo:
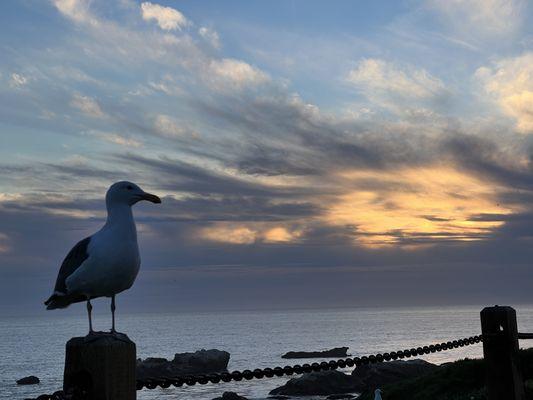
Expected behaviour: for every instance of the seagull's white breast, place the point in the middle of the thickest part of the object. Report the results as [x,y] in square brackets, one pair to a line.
[112,265]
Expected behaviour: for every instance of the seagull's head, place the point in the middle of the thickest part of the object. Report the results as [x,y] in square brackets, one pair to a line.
[129,193]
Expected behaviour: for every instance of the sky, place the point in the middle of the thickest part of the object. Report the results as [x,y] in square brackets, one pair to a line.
[308,153]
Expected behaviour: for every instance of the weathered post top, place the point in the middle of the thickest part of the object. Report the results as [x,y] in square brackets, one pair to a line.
[102,365]
[500,351]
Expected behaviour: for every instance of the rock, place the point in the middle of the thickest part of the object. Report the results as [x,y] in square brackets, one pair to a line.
[372,376]
[199,362]
[340,396]
[336,352]
[319,383]
[279,397]
[28,380]
[230,396]
[363,378]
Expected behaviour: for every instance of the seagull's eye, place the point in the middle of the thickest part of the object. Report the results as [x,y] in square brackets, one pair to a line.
[129,187]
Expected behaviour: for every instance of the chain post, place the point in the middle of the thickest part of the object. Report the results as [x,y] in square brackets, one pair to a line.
[500,351]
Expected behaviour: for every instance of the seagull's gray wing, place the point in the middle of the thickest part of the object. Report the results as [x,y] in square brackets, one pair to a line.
[71,263]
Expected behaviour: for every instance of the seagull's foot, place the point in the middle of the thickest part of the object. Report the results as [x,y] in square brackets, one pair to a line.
[120,336]
[92,336]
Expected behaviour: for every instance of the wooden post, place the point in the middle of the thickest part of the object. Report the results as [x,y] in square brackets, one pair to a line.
[500,350]
[101,365]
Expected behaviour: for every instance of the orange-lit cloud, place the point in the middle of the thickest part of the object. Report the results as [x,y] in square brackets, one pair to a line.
[416,204]
[410,207]
[247,233]
[280,234]
[229,234]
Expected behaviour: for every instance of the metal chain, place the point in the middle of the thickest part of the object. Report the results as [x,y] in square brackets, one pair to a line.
[165,382]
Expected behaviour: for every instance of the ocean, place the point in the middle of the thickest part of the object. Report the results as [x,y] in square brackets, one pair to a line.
[36,345]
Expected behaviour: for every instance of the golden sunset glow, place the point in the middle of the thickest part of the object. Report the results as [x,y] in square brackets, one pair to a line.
[228,233]
[411,207]
[280,234]
[436,203]
[248,233]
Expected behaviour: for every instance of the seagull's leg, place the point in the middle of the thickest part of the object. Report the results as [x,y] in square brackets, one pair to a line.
[113,314]
[89,311]
[117,335]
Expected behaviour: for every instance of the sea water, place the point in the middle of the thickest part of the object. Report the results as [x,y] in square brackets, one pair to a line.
[36,345]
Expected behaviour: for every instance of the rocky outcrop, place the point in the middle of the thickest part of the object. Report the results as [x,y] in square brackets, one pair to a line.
[318,383]
[363,378]
[199,362]
[338,352]
[230,396]
[372,376]
[28,380]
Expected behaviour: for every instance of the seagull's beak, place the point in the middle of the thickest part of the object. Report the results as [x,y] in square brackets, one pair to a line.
[150,197]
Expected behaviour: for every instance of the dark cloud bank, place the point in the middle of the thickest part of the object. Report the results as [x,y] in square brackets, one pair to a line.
[326,267]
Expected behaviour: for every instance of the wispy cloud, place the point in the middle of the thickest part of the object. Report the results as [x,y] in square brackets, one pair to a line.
[482,18]
[510,81]
[18,80]
[375,75]
[116,139]
[230,73]
[167,18]
[210,35]
[87,105]
[77,10]
[167,126]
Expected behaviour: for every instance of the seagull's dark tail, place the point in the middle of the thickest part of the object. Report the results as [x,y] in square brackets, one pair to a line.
[62,301]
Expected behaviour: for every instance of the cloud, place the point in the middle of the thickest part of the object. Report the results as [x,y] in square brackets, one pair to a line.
[167,18]
[282,134]
[246,234]
[116,139]
[18,80]
[76,10]
[87,105]
[378,75]
[280,234]
[229,234]
[169,127]
[177,175]
[167,86]
[120,46]
[397,205]
[229,73]
[482,18]
[510,82]
[210,36]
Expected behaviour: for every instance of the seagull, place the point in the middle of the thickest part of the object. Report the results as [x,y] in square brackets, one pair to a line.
[377,394]
[106,263]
